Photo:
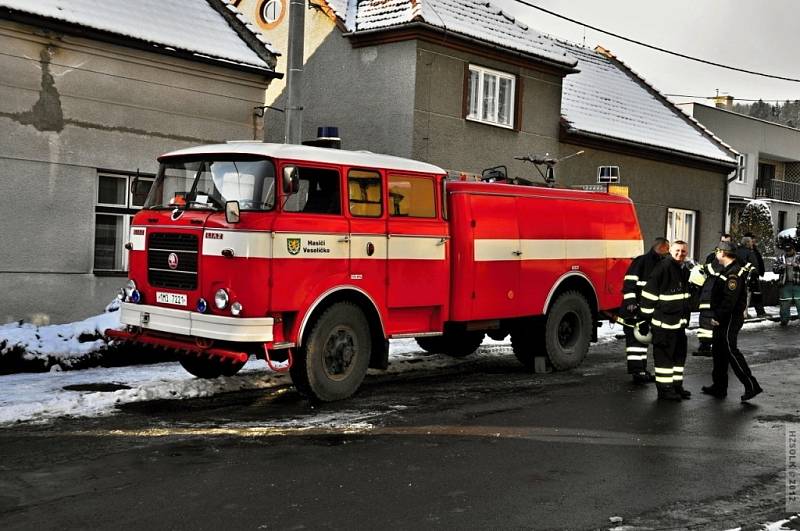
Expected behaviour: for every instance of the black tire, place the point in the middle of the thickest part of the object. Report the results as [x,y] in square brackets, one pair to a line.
[209,368]
[454,344]
[431,344]
[568,331]
[527,341]
[334,360]
[230,368]
[201,367]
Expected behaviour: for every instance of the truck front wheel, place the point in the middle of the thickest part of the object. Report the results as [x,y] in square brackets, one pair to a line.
[567,330]
[334,359]
[209,368]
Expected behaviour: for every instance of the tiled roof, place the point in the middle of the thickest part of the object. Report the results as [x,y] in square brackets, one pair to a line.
[607,98]
[475,19]
[192,26]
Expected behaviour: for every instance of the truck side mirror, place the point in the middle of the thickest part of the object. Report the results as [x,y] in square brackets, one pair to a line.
[232,211]
[291,180]
[139,190]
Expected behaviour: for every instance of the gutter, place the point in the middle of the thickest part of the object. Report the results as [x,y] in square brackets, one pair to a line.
[569,69]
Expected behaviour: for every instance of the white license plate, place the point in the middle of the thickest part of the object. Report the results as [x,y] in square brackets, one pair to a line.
[177,299]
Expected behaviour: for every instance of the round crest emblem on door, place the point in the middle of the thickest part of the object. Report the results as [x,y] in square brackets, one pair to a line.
[172,261]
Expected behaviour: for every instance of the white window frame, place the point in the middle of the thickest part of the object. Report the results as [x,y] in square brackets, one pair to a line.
[677,228]
[492,116]
[611,177]
[126,211]
[741,168]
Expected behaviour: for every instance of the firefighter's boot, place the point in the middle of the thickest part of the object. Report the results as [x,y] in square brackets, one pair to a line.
[682,392]
[667,392]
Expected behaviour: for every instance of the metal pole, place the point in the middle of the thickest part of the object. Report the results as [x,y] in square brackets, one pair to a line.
[294,66]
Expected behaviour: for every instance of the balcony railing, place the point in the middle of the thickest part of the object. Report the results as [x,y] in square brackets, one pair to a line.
[781,190]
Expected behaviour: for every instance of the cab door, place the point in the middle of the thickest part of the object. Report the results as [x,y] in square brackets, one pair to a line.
[368,242]
[311,243]
[418,259]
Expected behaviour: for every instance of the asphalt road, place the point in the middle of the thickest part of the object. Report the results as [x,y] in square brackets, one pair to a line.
[481,446]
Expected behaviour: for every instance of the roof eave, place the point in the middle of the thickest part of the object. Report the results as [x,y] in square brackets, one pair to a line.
[370,35]
[659,152]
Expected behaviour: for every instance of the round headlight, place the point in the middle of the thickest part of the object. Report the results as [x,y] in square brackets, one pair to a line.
[221,299]
[130,287]
[122,295]
[236,308]
[202,305]
[136,296]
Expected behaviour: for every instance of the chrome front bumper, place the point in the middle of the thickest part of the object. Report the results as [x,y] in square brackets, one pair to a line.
[186,323]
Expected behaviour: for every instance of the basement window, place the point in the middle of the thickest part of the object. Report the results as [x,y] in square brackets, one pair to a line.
[490,96]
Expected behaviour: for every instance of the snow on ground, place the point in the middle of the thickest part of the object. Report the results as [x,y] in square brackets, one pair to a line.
[40,397]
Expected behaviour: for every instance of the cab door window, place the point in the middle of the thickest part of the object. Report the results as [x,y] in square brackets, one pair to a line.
[366,193]
[412,196]
[319,192]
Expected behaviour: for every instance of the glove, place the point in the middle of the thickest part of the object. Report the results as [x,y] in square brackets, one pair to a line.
[643,327]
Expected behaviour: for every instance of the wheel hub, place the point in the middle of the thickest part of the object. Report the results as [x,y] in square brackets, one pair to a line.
[340,351]
[568,330]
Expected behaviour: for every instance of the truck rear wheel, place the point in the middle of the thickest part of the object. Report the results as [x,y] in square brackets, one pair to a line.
[455,344]
[527,341]
[567,331]
[333,362]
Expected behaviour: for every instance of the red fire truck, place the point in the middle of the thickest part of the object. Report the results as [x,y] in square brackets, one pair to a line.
[319,256]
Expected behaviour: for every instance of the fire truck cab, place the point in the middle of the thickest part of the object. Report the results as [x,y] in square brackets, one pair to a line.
[319,256]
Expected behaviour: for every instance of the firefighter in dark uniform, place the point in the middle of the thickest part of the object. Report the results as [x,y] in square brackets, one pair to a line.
[703,275]
[635,279]
[728,301]
[665,302]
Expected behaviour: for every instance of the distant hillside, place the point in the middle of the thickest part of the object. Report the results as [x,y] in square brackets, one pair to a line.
[787,113]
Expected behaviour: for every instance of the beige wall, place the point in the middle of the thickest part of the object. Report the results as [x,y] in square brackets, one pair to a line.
[70,106]
[442,136]
[654,187]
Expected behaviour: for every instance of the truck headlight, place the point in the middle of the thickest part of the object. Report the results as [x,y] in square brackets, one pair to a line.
[221,299]
[130,287]
[236,308]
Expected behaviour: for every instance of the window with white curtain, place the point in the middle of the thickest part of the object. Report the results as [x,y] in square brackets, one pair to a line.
[681,225]
[491,96]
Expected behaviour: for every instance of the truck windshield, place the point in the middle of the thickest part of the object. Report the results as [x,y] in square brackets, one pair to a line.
[207,183]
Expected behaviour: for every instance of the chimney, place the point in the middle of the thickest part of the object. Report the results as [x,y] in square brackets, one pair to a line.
[723,102]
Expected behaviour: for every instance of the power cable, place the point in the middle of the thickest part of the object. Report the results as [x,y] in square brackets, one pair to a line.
[656,48]
[737,99]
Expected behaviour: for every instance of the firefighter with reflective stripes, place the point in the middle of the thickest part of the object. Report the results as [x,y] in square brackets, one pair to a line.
[635,279]
[729,301]
[703,275]
[665,302]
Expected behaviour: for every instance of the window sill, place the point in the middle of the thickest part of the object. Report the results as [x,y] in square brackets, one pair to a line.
[494,124]
[109,273]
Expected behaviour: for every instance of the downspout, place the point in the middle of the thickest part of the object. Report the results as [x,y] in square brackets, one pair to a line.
[294,67]
[725,206]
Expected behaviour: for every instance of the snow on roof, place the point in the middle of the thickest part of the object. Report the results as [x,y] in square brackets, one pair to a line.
[192,26]
[310,154]
[471,18]
[607,98]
